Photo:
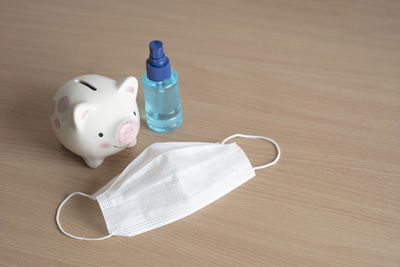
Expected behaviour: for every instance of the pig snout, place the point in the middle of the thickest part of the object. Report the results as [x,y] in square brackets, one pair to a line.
[127,132]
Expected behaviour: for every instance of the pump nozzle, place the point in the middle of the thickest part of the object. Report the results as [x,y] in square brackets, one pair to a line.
[157,65]
[156,49]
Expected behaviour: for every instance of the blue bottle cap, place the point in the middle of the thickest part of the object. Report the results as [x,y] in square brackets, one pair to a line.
[157,65]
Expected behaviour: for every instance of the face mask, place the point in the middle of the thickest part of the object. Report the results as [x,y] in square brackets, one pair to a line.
[169,181]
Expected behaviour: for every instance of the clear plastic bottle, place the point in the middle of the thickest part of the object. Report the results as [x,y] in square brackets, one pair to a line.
[161,91]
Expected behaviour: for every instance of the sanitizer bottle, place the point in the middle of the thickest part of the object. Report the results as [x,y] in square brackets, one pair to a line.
[161,92]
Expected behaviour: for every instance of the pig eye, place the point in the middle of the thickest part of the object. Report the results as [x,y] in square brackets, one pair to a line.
[134,113]
[100,134]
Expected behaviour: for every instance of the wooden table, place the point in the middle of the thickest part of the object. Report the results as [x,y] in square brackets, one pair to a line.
[320,77]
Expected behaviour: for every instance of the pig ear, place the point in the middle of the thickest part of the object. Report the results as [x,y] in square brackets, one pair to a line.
[81,113]
[128,85]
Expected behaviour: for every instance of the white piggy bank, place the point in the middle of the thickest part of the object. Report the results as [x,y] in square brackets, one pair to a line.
[95,116]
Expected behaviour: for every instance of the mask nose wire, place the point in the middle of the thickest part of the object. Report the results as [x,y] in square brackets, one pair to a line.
[278,150]
[71,235]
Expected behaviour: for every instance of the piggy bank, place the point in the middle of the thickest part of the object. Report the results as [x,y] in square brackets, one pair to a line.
[95,116]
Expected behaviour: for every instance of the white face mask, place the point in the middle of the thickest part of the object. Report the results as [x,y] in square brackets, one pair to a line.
[169,181]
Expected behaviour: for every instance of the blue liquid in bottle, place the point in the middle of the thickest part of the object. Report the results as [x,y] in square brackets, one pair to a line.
[161,92]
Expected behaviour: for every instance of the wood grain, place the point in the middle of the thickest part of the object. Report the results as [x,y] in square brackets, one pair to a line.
[320,77]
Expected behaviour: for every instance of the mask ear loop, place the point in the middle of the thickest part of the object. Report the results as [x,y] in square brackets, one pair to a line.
[68,234]
[278,151]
